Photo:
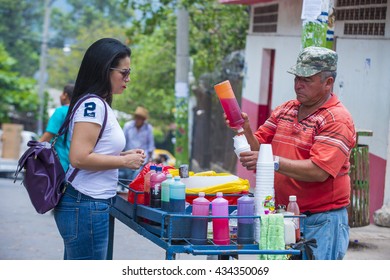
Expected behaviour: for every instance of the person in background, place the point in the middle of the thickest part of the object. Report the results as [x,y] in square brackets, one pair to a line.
[162,159]
[311,139]
[82,215]
[139,135]
[54,124]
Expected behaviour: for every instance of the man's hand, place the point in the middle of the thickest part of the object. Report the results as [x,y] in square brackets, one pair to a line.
[249,159]
[246,126]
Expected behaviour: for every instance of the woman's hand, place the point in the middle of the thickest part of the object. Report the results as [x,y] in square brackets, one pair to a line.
[133,151]
[133,160]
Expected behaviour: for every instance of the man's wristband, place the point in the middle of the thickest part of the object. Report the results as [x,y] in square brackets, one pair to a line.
[276,163]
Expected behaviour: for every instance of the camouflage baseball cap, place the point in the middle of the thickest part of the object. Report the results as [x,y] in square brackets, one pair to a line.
[313,60]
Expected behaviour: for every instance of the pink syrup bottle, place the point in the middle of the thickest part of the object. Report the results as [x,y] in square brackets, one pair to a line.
[230,105]
[200,207]
[220,207]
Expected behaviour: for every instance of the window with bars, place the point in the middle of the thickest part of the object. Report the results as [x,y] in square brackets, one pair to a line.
[265,19]
[362,17]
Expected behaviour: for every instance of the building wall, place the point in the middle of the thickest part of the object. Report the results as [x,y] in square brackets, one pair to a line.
[363,83]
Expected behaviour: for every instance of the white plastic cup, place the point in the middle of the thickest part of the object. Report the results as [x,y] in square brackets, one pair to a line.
[268,164]
[265,153]
[240,150]
[241,145]
[240,141]
[265,176]
[265,173]
[264,180]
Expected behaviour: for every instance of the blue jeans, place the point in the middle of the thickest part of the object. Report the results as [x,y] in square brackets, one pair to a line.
[331,231]
[83,223]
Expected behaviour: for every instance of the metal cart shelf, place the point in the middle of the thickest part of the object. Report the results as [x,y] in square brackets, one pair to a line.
[171,232]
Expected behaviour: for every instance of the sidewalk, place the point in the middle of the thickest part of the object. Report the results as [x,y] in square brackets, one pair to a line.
[369,243]
[26,235]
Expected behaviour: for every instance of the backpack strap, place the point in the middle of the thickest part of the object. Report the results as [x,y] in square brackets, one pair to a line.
[70,116]
[67,123]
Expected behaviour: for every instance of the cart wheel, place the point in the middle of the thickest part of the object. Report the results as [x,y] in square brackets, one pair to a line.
[227,257]
[170,256]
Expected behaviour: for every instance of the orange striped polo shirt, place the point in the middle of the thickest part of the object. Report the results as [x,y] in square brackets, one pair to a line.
[326,137]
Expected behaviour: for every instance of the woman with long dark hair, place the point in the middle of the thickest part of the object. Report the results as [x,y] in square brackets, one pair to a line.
[82,216]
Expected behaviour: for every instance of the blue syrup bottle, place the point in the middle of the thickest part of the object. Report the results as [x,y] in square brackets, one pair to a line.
[177,196]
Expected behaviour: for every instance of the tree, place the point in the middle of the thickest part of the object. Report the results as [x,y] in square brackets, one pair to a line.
[216,30]
[84,13]
[63,67]
[153,75]
[20,23]
[17,94]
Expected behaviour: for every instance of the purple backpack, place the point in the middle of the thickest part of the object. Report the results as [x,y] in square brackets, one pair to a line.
[44,175]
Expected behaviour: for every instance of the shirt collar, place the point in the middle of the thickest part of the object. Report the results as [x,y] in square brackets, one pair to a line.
[332,101]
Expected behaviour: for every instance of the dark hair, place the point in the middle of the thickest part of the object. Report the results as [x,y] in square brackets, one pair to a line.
[68,89]
[94,72]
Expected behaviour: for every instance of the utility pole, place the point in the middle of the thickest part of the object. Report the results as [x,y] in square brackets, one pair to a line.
[182,87]
[42,64]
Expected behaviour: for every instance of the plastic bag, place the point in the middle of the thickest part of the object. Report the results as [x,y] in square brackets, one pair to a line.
[232,189]
[236,186]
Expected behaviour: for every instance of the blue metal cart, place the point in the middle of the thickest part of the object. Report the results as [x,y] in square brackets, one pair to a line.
[171,232]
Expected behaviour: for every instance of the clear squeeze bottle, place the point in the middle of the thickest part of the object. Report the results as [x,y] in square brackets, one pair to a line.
[294,208]
[155,187]
[220,207]
[147,184]
[230,105]
[165,193]
[177,196]
[245,226]
[200,207]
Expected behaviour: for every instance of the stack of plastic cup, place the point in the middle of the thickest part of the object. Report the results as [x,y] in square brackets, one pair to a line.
[264,190]
[240,145]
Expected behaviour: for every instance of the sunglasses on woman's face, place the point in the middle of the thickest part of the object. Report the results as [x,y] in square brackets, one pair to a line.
[125,72]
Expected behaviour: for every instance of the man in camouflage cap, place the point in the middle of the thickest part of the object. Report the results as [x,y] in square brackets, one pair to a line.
[311,137]
[313,60]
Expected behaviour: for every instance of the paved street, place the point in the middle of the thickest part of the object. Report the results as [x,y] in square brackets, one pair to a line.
[26,235]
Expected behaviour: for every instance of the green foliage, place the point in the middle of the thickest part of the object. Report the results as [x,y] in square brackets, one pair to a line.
[63,67]
[215,31]
[17,94]
[152,76]
[20,22]
[158,134]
